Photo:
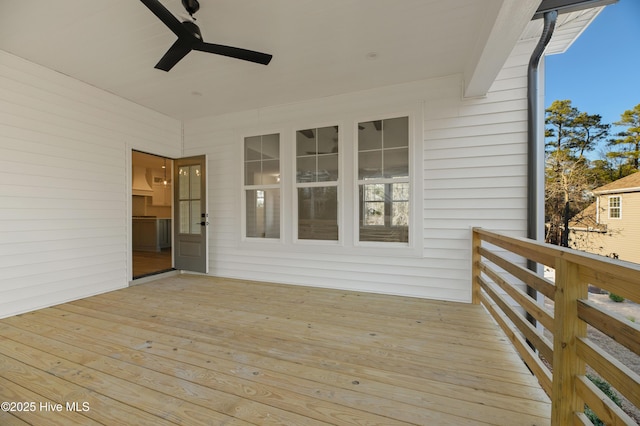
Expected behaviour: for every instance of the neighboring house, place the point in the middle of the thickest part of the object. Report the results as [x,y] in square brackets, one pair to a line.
[611,225]
[359,159]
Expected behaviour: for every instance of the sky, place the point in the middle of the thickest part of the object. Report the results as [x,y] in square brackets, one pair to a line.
[600,72]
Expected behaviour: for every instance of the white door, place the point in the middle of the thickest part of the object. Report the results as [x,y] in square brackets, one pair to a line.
[190,214]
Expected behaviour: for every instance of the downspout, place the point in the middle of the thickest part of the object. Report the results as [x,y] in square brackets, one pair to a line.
[532,138]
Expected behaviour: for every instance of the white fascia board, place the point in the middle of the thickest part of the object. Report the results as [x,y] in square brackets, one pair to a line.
[617,191]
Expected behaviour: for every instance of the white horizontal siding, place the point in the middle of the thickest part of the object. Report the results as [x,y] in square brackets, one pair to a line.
[473,173]
[476,164]
[64,166]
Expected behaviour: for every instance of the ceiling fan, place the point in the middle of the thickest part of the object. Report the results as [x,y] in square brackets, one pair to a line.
[190,38]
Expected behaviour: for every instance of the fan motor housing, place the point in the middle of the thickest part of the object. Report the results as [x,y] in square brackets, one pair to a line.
[193,29]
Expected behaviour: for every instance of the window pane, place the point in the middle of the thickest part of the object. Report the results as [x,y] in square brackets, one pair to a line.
[369,164]
[184,217]
[317,155]
[374,213]
[252,148]
[254,213]
[195,182]
[195,217]
[253,173]
[183,183]
[327,168]
[384,212]
[400,213]
[262,165]
[263,213]
[369,135]
[270,172]
[305,142]
[328,140]
[614,207]
[374,192]
[400,191]
[396,162]
[318,213]
[396,132]
[306,169]
[270,147]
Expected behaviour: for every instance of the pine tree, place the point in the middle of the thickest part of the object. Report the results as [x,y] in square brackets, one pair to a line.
[629,139]
[570,135]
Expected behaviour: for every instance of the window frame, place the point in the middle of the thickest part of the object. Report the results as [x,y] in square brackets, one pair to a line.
[414,234]
[617,208]
[321,184]
[261,187]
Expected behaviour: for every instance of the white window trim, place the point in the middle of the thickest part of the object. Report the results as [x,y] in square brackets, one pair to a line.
[338,184]
[609,208]
[244,188]
[415,189]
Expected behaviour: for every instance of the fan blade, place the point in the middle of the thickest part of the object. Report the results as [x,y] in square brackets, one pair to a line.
[234,52]
[177,51]
[166,17]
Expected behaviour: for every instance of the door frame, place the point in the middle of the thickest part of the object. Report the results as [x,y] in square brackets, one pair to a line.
[129,226]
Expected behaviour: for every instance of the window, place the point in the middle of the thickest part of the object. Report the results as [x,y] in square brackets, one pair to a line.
[262,186]
[615,207]
[189,199]
[383,180]
[317,183]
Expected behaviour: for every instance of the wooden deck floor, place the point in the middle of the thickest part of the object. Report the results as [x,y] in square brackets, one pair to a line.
[197,350]
[150,262]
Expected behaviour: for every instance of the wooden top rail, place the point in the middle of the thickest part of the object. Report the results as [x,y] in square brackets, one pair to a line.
[616,276]
[498,284]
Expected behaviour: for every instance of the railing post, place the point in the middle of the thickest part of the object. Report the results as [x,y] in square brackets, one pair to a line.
[475,266]
[567,328]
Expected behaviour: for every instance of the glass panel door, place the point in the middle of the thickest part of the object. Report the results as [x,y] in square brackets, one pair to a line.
[190,215]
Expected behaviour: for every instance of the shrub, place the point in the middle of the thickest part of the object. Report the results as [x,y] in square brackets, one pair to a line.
[606,388]
[616,298]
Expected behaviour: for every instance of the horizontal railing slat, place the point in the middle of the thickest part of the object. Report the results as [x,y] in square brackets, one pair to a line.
[613,325]
[613,278]
[600,269]
[526,248]
[567,386]
[606,410]
[520,297]
[581,420]
[539,369]
[613,371]
[525,327]
[528,277]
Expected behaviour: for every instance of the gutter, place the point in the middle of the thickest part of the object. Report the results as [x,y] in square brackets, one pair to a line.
[532,138]
[549,11]
[532,123]
[566,6]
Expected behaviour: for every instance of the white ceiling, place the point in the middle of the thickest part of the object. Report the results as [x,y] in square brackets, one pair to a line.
[320,47]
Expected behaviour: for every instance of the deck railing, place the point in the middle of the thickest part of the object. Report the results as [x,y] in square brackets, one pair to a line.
[559,362]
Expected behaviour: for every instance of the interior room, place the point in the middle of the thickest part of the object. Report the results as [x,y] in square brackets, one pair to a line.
[151,212]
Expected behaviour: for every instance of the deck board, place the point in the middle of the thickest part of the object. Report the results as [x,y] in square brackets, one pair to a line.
[201,350]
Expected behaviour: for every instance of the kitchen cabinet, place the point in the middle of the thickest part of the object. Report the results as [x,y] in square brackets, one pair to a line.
[151,234]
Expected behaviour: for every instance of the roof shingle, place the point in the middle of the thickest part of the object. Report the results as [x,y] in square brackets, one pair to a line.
[626,184]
